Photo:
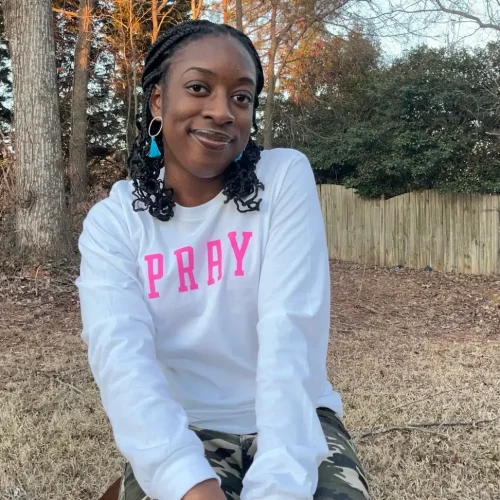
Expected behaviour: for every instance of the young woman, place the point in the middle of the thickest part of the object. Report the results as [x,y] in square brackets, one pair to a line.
[205,294]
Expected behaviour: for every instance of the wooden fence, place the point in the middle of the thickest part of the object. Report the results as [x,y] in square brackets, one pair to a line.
[449,232]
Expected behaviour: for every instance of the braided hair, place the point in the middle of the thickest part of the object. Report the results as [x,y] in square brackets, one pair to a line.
[240,180]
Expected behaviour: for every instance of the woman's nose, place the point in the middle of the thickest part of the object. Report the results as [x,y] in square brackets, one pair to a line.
[218,109]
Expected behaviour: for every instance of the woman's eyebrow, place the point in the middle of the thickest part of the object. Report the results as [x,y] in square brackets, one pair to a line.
[209,72]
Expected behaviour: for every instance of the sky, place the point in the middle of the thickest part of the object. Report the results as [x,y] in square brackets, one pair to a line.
[460,35]
[456,31]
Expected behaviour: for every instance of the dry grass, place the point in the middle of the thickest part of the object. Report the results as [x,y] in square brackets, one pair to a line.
[407,347]
[419,347]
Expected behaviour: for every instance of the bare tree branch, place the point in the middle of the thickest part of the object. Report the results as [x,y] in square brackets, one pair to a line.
[163,5]
[415,17]
[66,13]
[466,15]
[418,425]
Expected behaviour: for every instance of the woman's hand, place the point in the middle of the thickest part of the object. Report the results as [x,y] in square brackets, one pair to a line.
[207,490]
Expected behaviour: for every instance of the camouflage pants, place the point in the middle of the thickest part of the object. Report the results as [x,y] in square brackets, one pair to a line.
[341,476]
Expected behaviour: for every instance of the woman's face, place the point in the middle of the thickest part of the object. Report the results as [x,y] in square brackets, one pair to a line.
[206,103]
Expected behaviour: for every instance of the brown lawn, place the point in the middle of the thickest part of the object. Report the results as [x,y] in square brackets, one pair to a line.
[408,349]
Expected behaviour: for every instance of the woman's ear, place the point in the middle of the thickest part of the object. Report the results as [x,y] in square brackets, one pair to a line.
[155,103]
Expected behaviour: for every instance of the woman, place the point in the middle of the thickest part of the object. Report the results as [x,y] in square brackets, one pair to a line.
[204,291]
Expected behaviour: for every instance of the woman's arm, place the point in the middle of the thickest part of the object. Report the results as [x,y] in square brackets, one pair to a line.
[294,314]
[150,428]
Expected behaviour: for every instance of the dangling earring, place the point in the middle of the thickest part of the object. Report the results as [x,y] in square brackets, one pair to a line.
[238,158]
[154,150]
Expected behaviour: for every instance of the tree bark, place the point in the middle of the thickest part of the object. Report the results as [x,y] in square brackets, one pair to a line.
[225,12]
[41,214]
[133,97]
[196,6]
[271,81]
[154,18]
[239,15]
[130,127]
[159,15]
[78,140]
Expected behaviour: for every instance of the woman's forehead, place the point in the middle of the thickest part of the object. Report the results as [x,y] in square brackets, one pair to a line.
[214,52]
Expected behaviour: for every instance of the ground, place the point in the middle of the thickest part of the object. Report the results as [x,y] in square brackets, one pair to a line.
[408,348]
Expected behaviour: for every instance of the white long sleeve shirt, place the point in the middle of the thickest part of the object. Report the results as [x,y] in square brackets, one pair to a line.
[218,319]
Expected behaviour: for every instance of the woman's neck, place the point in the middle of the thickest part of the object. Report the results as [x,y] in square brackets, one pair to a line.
[191,191]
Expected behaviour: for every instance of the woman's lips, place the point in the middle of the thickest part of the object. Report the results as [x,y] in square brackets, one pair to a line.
[215,141]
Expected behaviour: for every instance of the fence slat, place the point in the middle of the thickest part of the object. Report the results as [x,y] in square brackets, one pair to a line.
[450,232]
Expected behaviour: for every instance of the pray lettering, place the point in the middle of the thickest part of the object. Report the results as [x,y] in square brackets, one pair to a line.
[185,260]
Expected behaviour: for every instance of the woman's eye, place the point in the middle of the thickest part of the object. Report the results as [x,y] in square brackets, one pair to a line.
[243,99]
[197,88]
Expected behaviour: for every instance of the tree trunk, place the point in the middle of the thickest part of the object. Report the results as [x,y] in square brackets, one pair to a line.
[239,15]
[196,6]
[134,101]
[78,141]
[154,18]
[130,123]
[41,218]
[225,12]
[271,81]
[134,88]
[160,13]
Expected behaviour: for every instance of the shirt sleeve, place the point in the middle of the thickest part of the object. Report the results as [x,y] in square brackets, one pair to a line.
[150,428]
[293,328]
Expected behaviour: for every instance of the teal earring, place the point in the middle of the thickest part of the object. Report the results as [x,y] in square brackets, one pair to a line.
[154,150]
[238,158]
